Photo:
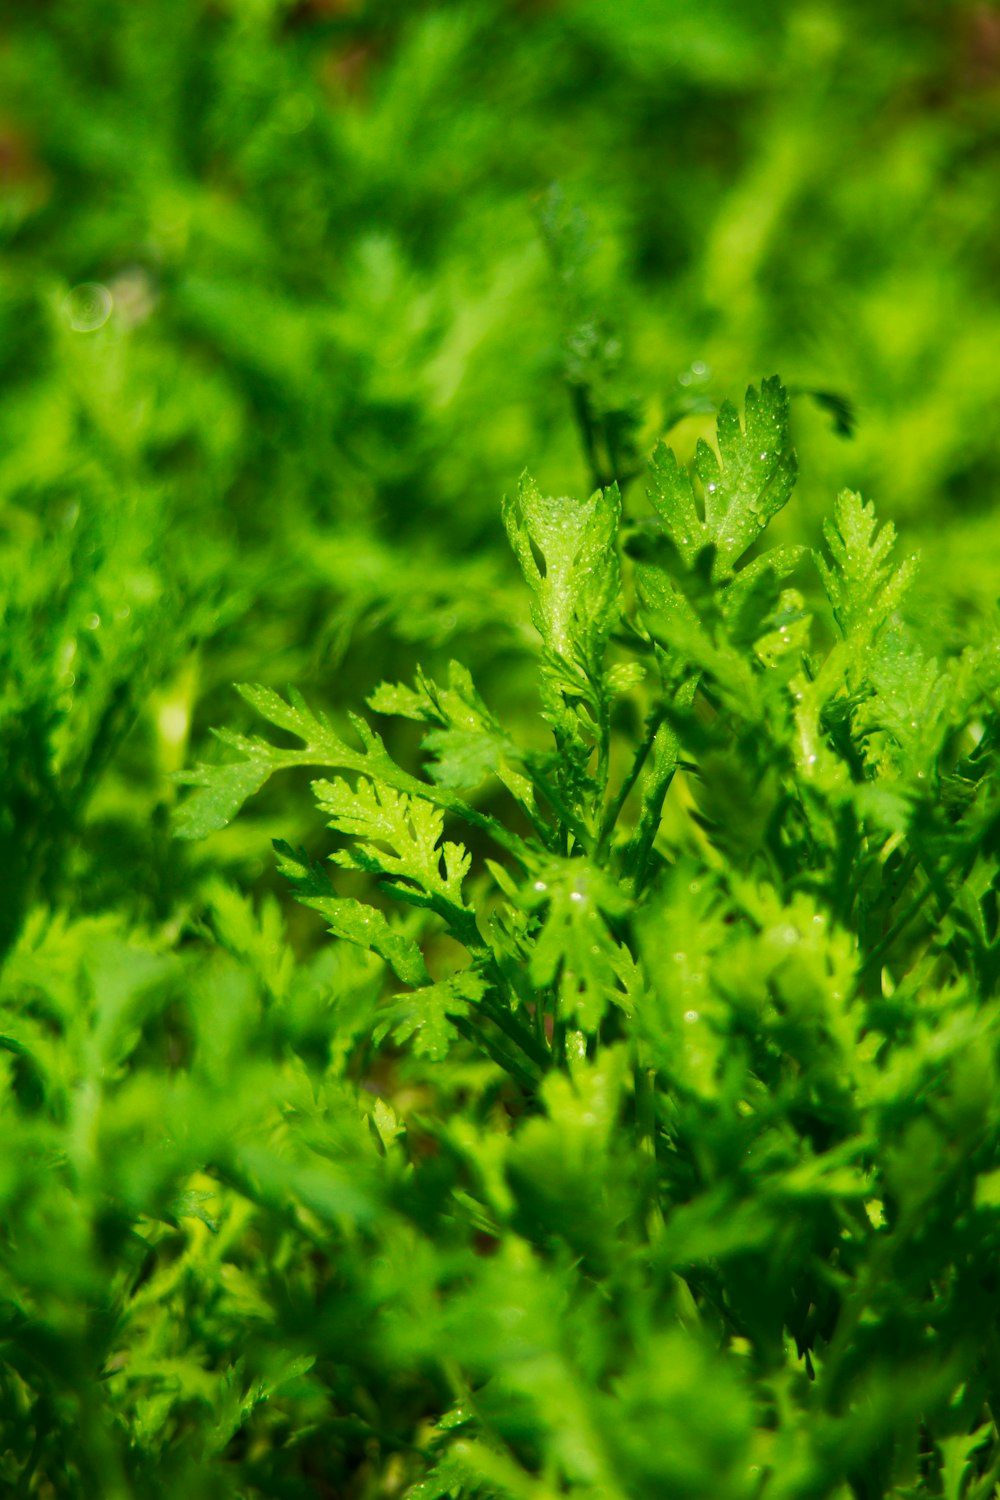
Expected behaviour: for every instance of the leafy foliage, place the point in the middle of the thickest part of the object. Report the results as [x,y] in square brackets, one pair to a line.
[591,1089]
[744,1025]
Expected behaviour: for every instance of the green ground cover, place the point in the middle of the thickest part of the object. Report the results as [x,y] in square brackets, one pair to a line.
[551,1048]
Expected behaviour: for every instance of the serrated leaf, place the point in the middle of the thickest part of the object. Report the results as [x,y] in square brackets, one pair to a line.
[671,494]
[910,709]
[386,1122]
[863,586]
[353,921]
[468,743]
[423,1014]
[257,937]
[406,703]
[190,1205]
[418,857]
[461,758]
[223,789]
[753,476]
[568,555]
[956,1453]
[356,922]
[744,486]
[295,717]
[574,948]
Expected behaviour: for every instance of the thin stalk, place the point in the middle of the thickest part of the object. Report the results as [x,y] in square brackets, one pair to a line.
[640,848]
[645,1129]
[505,1060]
[502,1016]
[518,1034]
[613,810]
[603,755]
[884,945]
[568,819]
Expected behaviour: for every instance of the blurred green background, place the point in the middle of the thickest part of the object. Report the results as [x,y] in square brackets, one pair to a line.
[291,293]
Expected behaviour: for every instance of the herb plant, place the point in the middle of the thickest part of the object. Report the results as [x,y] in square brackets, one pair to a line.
[593,1092]
[681,1068]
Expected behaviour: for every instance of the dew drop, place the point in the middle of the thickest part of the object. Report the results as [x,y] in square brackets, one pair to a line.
[92,622]
[539,885]
[691,1015]
[87,307]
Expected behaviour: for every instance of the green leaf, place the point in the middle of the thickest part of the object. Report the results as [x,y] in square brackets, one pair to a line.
[353,921]
[574,948]
[222,791]
[468,743]
[671,494]
[257,937]
[567,550]
[754,474]
[743,486]
[862,585]
[224,788]
[423,1015]
[462,758]
[422,866]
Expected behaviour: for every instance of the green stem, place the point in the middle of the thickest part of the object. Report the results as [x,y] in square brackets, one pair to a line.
[505,1060]
[614,808]
[603,756]
[645,1129]
[883,947]
[641,845]
[568,819]
[520,1035]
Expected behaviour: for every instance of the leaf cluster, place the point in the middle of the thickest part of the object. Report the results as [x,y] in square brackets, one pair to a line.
[722,962]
